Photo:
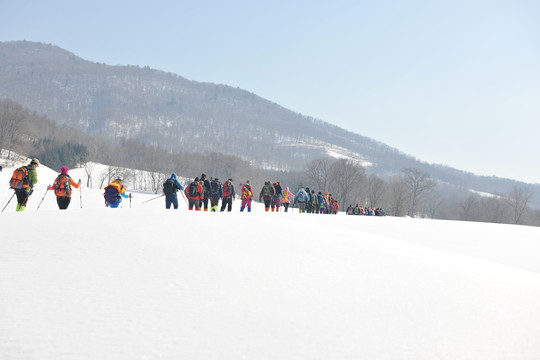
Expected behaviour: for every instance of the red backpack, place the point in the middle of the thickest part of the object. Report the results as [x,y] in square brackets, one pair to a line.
[227,189]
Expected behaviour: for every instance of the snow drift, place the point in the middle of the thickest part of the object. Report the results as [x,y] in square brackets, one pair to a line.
[147,283]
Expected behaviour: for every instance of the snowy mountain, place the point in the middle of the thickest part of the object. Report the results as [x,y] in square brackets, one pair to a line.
[141,282]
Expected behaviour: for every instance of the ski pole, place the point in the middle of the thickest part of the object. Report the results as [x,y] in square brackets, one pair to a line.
[130,200]
[8,202]
[184,197]
[80,196]
[153,199]
[42,199]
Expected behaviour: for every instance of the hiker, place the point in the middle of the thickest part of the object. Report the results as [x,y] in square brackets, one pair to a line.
[301,199]
[23,181]
[206,192]
[114,192]
[278,194]
[170,188]
[287,196]
[314,203]
[247,196]
[194,193]
[309,207]
[62,188]
[216,193]
[267,193]
[228,195]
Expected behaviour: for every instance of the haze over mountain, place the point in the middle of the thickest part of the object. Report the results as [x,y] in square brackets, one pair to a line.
[175,113]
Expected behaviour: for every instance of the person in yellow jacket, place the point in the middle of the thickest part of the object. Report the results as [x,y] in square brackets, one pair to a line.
[114,192]
[288,196]
[62,188]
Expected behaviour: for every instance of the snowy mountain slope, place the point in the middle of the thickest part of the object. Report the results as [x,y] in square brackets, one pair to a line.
[146,283]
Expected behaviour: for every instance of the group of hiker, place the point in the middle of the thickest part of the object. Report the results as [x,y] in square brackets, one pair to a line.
[312,202]
[200,194]
[203,193]
[360,210]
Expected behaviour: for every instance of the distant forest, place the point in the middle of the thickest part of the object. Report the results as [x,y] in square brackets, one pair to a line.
[413,192]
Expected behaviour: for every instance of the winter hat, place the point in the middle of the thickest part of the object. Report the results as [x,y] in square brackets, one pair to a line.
[173,176]
[203,176]
[34,162]
[197,179]
[119,178]
[64,170]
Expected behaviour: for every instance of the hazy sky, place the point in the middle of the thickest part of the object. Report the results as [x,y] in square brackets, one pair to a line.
[449,82]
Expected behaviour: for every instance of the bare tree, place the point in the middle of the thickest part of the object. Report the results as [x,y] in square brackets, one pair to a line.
[419,184]
[376,189]
[469,208]
[346,177]
[434,203]
[518,199]
[317,172]
[11,119]
[399,196]
[89,169]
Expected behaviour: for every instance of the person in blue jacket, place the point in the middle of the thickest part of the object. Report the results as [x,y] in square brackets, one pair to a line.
[170,188]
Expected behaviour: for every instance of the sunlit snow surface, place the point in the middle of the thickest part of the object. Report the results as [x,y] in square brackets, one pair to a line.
[146,283]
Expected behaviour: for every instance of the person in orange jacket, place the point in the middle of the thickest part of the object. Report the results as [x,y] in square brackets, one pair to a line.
[62,188]
[194,193]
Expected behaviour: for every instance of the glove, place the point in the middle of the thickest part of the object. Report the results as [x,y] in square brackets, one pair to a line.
[79,181]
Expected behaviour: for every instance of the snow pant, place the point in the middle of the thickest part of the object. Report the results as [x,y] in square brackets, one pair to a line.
[276,203]
[194,203]
[204,201]
[63,202]
[171,200]
[22,199]
[246,203]
[226,202]
[267,203]
[302,207]
[286,206]
[214,199]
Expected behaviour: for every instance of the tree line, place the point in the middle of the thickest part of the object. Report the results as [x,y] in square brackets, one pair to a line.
[413,193]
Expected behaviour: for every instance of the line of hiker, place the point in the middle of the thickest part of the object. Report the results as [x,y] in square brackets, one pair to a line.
[200,194]
[360,210]
[310,202]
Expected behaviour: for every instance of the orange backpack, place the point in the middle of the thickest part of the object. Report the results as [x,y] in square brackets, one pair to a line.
[19,180]
[63,187]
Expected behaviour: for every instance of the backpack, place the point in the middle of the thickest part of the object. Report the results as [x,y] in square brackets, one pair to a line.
[214,187]
[227,189]
[246,192]
[111,194]
[63,187]
[168,187]
[193,189]
[301,196]
[19,180]
[266,190]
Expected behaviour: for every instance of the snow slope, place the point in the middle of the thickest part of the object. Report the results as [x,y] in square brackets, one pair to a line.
[146,283]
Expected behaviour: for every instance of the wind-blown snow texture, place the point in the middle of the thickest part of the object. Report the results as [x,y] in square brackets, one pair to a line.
[146,283]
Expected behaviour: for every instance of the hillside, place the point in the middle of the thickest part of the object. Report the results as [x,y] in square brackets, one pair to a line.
[146,283]
[172,112]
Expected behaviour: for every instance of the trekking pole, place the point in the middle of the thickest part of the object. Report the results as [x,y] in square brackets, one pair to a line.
[80,196]
[153,198]
[185,199]
[8,202]
[42,199]
[130,200]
